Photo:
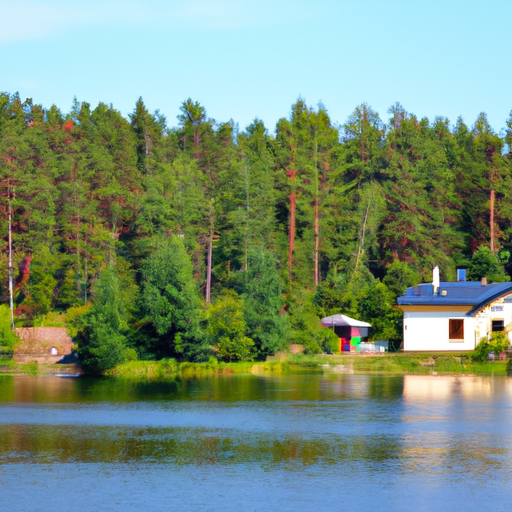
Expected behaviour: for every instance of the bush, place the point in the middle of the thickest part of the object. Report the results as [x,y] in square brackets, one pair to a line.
[234,349]
[51,319]
[498,343]
[101,343]
[75,318]
[99,346]
[7,337]
[164,370]
[130,354]
[331,341]
[227,327]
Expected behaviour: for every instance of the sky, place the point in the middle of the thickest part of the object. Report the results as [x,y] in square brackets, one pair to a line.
[252,59]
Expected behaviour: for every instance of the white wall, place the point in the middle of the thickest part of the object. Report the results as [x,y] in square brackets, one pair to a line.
[429,331]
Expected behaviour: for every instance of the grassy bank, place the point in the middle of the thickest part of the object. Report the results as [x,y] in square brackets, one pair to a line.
[166,369]
[419,364]
[169,369]
[34,368]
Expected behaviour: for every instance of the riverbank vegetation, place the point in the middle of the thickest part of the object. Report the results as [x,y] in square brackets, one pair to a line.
[201,240]
[170,369]
[400,363]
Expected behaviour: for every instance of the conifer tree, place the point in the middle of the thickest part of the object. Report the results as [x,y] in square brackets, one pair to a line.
[102,342]
[170,301]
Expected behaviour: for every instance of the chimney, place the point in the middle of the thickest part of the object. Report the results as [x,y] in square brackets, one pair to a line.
[435,279]
[483,281]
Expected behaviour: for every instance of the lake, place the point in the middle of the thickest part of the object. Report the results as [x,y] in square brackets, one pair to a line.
[256,443]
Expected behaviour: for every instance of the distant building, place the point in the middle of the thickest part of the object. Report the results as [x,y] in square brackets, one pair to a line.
[350,331]
[454,316]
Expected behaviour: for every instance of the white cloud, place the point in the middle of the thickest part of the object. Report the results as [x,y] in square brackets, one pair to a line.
[28,19]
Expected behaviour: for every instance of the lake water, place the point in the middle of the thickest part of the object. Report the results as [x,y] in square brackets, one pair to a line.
[256,443]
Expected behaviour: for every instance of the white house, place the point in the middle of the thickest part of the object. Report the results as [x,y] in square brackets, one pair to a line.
[454,316]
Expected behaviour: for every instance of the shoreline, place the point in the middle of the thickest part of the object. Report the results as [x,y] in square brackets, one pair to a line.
[169,369]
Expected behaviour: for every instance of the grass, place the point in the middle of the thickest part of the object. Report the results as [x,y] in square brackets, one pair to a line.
[420,364]
[399,363]
[51,319]
[212,368]
[169,369]
[8,366]
[30,368]
[166,369]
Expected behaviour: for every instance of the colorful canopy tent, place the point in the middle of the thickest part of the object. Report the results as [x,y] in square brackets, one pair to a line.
[350,331]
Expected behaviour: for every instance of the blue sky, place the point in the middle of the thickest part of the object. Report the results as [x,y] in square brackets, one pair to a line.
[248,59]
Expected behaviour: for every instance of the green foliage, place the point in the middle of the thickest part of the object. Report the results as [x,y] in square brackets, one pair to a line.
[7,337]
[75,318]
[365,211]
[498,343]
[101,342]
[164,370]
[130,354]
[376,308]
[227,328]
[31,369]
[99,346]
[263,301]
[364,297]
[331,341]
[399,277]
[306,328]
[486,264]
[51,319]
[234,349]
[170,301]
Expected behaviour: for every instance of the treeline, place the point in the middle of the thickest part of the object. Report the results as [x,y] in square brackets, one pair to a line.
[201,240]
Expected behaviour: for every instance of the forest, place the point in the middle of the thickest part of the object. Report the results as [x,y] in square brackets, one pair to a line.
[202,240]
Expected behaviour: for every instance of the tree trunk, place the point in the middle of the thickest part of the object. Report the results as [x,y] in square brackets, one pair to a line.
[317,220]
[491,221]
[293,198]
[11,303]
[361,238]
[196,141]
[317,240]
[210,257]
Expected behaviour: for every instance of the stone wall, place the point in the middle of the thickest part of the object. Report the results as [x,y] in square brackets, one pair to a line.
[38,342]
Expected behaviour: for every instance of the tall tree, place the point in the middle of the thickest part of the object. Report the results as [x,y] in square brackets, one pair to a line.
[267,324]
[192,116]
[148,129]
[101,343]
[258,163]
[170,301]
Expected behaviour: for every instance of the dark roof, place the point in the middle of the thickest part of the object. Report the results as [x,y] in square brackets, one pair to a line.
[466,293]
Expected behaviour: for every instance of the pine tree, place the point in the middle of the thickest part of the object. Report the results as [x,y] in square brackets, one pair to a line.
[170,301]
[102,342]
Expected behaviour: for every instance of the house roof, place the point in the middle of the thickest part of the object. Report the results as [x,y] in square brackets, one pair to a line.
[465,293]
[339,320]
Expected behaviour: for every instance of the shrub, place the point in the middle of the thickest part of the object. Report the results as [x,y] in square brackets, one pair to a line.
[101,343]
[75,318]
[498,343]
[130,354]
[227,327]
[51,319]
[234,349]
[7,337]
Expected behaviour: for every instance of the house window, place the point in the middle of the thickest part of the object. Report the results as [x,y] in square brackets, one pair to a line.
[498,325]
[456,329]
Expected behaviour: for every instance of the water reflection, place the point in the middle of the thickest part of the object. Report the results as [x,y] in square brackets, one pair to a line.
[448,386]
[413,432]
